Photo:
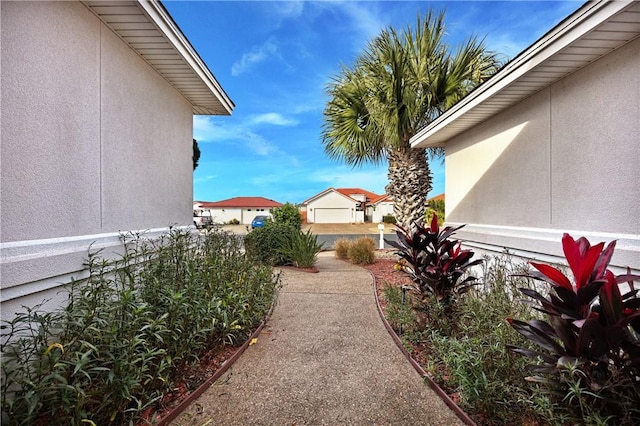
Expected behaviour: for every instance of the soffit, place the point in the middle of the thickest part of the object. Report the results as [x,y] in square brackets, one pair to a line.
[149,30]
[592,32]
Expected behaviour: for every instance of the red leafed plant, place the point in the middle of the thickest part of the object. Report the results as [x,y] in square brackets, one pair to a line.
[436,264]
[590,346]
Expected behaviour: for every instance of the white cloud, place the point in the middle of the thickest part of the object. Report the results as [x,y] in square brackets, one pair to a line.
[273,118]
[255,56]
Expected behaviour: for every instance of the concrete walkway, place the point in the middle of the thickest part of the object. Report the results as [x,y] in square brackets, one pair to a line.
[324,358]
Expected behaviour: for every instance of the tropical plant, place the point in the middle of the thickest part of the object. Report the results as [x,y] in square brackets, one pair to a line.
[590,346]
[287,214]
[436,264]
[398,85]
[301,249]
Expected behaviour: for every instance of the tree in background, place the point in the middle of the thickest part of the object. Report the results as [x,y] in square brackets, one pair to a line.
[398,85]
[287,214]
[196,154]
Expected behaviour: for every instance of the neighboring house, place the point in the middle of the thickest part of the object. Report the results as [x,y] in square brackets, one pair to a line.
[97,121]
[339,205]
[551,143]
[242,209]
[436,198]
[380,207]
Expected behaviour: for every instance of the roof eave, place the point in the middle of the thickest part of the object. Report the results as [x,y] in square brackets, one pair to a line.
[208,97]
[573,28]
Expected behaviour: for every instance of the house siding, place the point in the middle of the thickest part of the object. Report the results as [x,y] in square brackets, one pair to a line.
[564,159]
[94,142]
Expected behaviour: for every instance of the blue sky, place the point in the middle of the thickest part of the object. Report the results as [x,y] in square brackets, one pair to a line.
[274,60]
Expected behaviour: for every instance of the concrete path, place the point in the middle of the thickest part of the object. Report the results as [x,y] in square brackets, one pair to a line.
[324,358]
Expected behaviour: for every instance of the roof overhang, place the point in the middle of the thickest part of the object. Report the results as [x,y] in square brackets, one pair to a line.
[327,191]
[147,27]
[593,31]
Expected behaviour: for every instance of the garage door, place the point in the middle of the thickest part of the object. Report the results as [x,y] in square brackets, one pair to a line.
[332,216]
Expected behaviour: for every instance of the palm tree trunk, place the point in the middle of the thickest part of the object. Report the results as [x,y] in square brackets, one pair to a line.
[409,183]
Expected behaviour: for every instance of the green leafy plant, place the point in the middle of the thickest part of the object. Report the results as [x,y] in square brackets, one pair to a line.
[466,353]
[389,219]
[301,249]
[362,251]
[435,207]
[287,214]
[131,329]
[589,347]
[265,244]
[436,264]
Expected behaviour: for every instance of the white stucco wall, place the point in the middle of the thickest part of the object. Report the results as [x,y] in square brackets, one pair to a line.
[93,142]
[563,160]
[331,200]
[382,209]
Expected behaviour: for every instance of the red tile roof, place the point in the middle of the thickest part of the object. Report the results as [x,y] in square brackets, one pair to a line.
[437,197]
[347,192]
[242,202]
[383,197]
[353,191]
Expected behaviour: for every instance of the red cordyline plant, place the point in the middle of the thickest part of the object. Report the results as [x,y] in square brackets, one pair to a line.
[592,330]
[436,264]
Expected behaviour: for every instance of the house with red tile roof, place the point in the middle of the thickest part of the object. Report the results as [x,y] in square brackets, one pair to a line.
[340,205]
[242,209]
[380,207]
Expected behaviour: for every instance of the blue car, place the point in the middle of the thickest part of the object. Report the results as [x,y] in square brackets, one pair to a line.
[259,221]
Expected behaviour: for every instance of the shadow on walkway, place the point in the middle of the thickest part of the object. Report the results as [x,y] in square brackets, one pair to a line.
[324,358]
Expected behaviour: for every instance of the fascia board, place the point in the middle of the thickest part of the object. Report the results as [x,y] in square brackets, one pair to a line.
[571,29]
[165,23]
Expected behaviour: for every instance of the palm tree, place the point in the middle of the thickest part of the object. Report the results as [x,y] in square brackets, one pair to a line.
[398,85]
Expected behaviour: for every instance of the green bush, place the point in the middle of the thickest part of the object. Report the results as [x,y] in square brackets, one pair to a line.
[301,249]
[469,354]
[287,214]
[362,251]
[389,219]
[130,328]
[234,222]
[341,247]
[264,244]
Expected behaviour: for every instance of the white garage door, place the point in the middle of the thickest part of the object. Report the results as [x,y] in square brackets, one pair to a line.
[332,216]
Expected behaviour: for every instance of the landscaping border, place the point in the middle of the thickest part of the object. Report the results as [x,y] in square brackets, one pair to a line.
[177,410]
[434,386]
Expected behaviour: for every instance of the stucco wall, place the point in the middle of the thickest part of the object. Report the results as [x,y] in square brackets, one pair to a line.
[331,200]
[565,159]
[93,142]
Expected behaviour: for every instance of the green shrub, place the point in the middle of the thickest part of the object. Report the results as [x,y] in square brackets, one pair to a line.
[129,328]
[301,249]
[287,214]
[472,351]
[389,219]
[265,244]
[341,247]
[362,251]
[234,222]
